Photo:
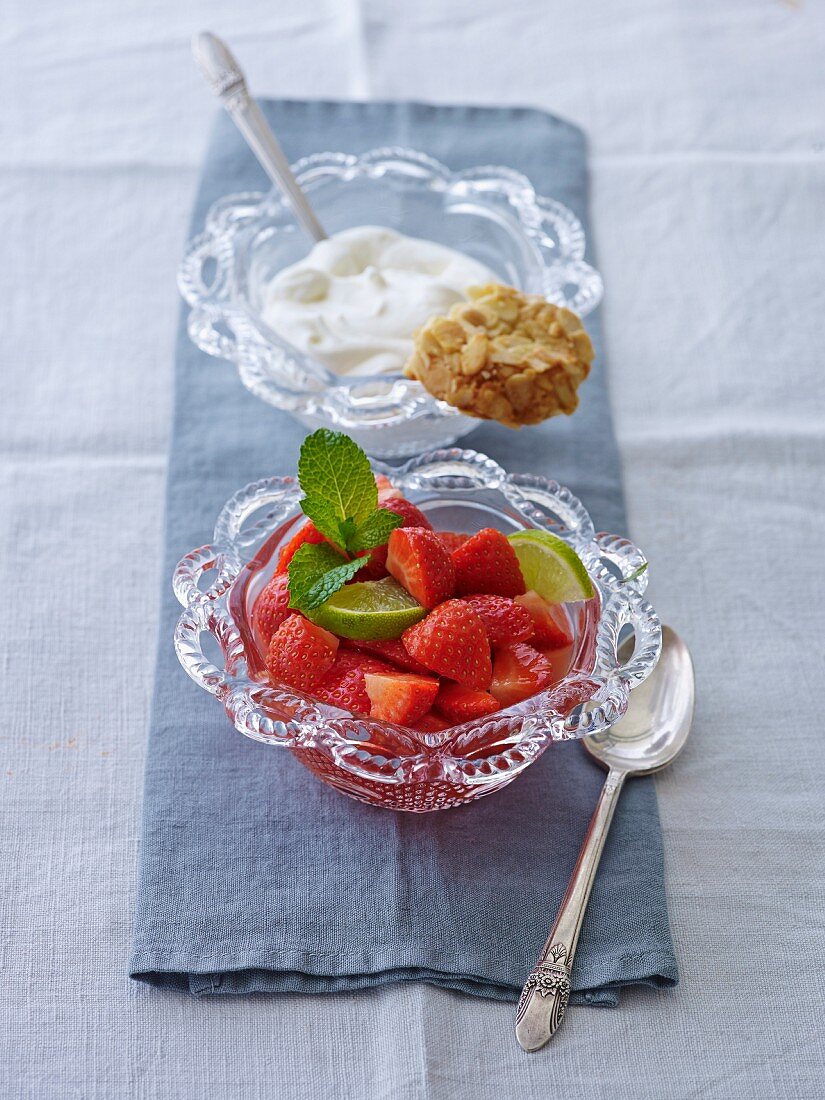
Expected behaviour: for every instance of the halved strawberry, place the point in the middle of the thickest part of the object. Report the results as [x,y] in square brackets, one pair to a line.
[452,539]
[392,651]
[300,653]
[503,619]
[308,532]
[551,627]
[420,562]
[376,568]
[344,685]
[431,723]
[487,563]
[453,642]
[519,671]
[400,697]
[271,608]
[461,704]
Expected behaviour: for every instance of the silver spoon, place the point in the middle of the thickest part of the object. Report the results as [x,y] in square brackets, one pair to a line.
[648,737]
[227,81]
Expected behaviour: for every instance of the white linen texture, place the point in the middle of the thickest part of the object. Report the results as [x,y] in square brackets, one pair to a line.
[707,165]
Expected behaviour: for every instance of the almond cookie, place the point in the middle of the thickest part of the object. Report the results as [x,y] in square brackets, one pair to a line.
[504,356]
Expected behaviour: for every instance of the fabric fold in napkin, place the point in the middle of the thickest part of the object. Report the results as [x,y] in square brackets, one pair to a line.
[255,876]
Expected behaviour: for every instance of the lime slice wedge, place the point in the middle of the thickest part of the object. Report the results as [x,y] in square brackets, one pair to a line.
[551,567]
[369,611]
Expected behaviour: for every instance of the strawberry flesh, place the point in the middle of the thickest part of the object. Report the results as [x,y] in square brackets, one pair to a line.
[551,628]
[376,568]
[400,697]
[560,659]
[487,562]
[392,651]
[452,539]
[419,561]
[300,653]
[452,641]
[519,671]
[461,704]
[411,515]
[386,489]
[504,620]
[431,723]
[344,685]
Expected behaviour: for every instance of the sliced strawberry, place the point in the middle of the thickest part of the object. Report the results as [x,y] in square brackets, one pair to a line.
[519,671]
[386,489]
[461,704]
[307,533]
[453,642]
[419,561]
[271,608]
[400,697]
[551,627]
[392,651]
[431,723]
[452,539]
[412,517]
[503,619]
[487,563]
[344,686]
[300,653]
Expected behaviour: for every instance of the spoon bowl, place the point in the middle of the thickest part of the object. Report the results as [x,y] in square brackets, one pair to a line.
[651,733]
[658,718]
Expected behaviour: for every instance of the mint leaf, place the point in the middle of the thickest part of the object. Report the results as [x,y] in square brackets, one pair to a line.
[348,529]
[333,468]
[325,518]
[315,572]
[374,531]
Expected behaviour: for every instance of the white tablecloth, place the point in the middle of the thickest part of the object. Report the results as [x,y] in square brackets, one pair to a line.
[707,122]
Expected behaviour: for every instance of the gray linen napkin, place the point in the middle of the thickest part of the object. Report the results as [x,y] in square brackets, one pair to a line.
[254,876]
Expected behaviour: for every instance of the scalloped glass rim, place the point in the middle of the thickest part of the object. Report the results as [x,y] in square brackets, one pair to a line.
[394,415]
[580,704]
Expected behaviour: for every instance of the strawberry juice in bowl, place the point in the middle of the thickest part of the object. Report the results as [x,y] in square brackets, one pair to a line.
[438,759]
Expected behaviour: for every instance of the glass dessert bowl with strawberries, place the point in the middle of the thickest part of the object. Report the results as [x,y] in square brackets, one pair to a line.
[419,636]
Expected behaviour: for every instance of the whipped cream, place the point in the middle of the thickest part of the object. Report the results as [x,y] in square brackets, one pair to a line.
[354,302]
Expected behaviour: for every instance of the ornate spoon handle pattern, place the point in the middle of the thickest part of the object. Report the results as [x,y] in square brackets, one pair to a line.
[546,992]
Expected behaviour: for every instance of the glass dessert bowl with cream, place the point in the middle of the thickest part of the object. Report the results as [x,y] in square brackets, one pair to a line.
[324,332]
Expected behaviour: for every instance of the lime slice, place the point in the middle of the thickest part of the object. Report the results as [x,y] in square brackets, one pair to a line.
[369,611]
[551,567]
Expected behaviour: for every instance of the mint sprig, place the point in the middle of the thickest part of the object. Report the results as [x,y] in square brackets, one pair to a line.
[341,499]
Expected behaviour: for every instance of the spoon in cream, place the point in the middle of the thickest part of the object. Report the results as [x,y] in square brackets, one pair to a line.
[651,733]
[227,81]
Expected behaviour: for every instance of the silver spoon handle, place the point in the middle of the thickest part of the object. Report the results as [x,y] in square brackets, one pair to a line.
[225,77]
[546,992]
